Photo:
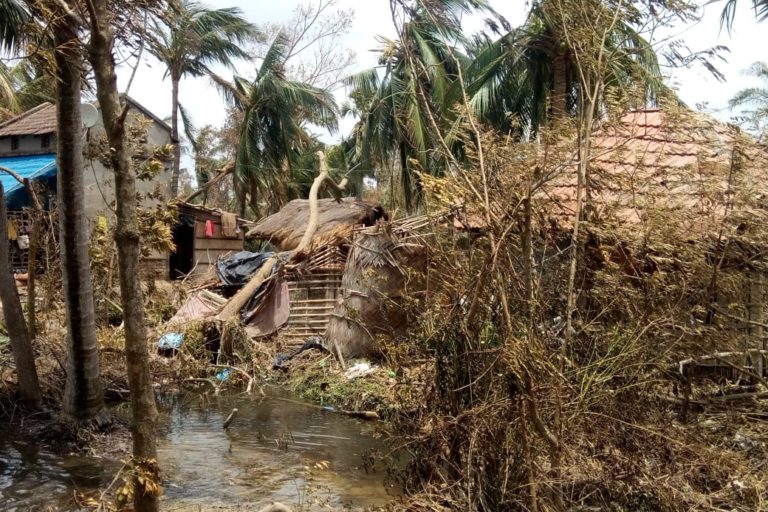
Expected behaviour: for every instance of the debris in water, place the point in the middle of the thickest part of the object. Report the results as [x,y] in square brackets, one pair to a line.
[229,419]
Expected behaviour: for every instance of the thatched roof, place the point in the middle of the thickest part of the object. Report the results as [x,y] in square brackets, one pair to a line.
[285,228]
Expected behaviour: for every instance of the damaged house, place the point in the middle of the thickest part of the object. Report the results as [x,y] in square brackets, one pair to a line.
[304,295]
[704,181]
[202,236]
[296,299]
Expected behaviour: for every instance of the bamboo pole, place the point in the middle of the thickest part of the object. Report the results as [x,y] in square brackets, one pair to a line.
[34,238]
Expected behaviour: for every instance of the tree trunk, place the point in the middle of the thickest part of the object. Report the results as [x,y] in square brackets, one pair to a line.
[405,182]
[175,136]
[29,387]
[83,392]
[559,101]
[144,412]
[34,242]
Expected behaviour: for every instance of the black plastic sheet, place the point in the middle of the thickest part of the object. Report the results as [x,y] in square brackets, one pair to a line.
[238,268]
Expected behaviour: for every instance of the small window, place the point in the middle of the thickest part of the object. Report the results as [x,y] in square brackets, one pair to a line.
[14,143]
[45,141]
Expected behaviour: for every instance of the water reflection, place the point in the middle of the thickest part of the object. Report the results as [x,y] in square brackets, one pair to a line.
[275,450]
[278,450]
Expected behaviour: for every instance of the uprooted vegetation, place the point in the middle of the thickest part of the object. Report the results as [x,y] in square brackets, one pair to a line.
[520,367]
[651,395]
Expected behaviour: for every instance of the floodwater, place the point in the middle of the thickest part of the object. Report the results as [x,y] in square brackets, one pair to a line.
[275,449]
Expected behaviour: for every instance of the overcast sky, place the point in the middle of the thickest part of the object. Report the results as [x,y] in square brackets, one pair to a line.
[372,17]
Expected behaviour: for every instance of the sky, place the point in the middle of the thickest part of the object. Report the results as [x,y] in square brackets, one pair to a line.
[695,85]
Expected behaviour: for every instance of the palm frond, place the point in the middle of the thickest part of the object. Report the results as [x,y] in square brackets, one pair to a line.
[13,16]
[274,59]
[189,127]
[233,92]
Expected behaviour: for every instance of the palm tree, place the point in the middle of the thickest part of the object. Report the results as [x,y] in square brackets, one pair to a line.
[83,391]
[728,15]
[32,85]
[530,73]
[406,98]
[273,135]
[24,86]
[192,38]
[755,98]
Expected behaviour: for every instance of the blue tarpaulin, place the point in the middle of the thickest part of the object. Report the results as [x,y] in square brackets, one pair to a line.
[31,166]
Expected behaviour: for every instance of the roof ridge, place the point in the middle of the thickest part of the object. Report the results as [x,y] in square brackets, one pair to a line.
[144,110]
[26,113]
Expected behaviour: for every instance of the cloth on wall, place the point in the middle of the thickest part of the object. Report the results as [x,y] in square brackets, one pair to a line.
[12,231]
[229,225]
[209,229]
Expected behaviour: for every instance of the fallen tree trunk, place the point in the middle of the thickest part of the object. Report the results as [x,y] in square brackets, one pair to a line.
[242,297]
[314,214]
[225,171]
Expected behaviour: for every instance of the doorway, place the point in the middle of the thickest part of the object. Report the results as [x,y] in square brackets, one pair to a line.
[182,261]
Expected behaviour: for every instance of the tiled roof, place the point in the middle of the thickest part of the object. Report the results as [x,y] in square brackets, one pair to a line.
[42,119]
[36,121]
[35,166]
[659,163]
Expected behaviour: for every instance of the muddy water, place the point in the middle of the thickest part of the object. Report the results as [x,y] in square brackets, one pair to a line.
[275,450]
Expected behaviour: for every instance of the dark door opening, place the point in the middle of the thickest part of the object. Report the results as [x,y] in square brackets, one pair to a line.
[183,260]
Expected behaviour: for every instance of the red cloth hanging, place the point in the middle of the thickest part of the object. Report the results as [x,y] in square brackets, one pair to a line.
[209,229]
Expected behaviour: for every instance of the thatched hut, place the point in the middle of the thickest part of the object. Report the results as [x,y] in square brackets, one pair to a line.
[314,284]
[382,280]
[338,220]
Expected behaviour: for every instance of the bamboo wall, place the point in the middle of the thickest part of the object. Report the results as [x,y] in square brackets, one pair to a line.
[313,291]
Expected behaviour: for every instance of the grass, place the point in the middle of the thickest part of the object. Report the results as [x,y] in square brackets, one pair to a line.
[321,380]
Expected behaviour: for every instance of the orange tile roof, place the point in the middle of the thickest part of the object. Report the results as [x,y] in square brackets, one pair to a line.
[36,121]
[659,163]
